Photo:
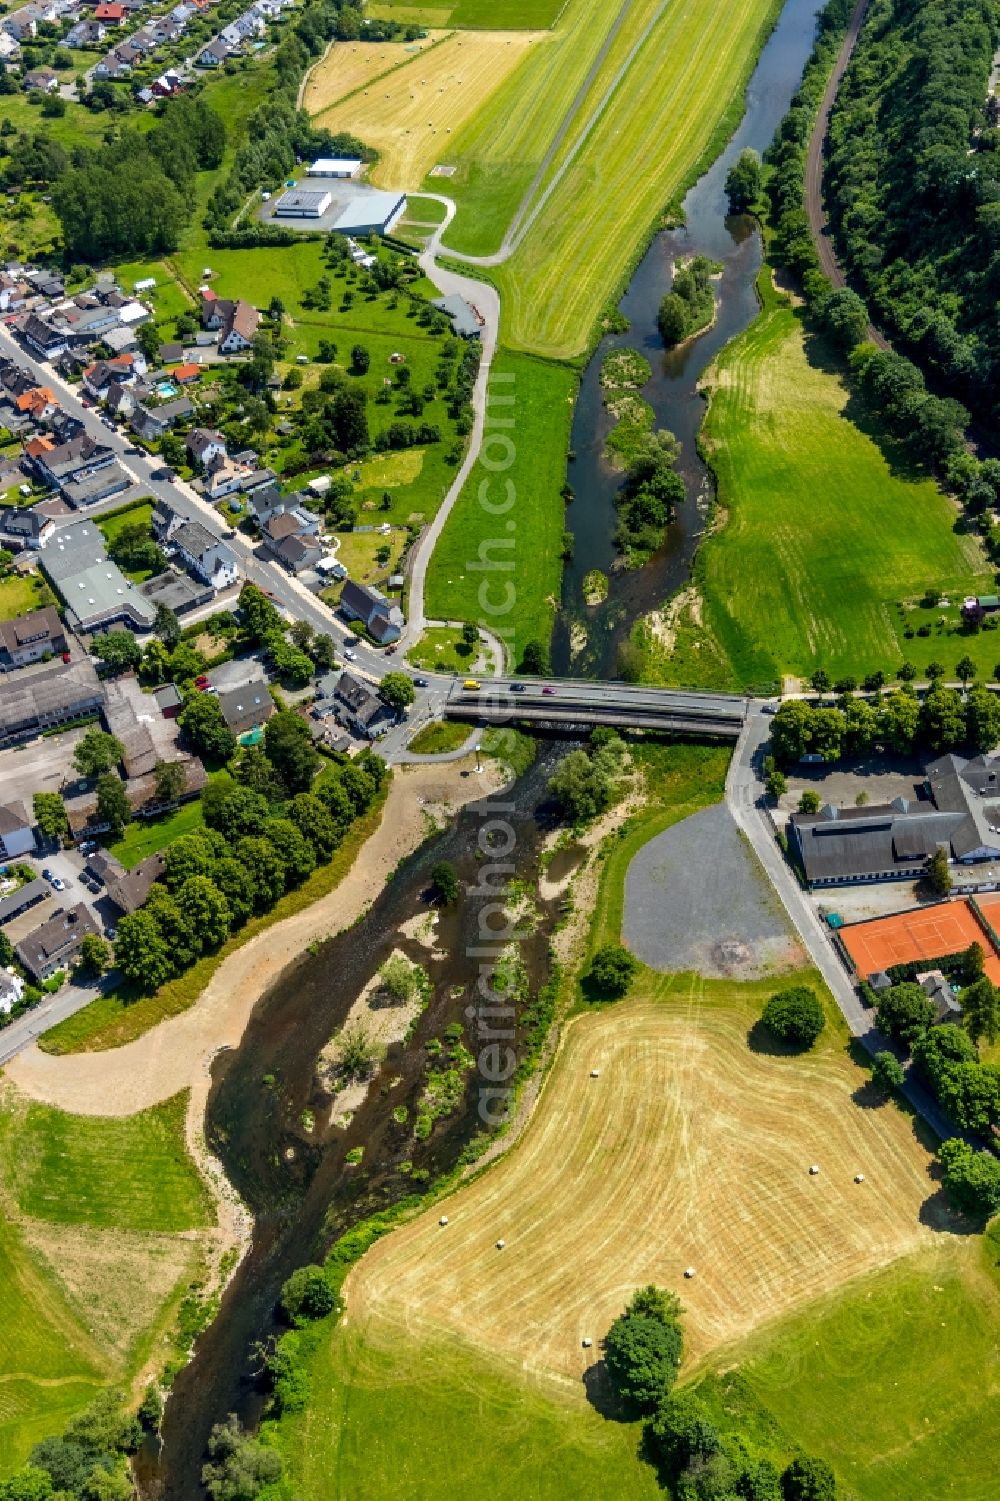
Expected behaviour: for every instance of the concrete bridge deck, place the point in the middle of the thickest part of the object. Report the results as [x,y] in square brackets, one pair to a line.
[576,703]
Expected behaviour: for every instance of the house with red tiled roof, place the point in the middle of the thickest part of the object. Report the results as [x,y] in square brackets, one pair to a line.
[111,14]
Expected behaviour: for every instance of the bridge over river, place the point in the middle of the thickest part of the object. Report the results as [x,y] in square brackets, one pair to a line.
[578,703]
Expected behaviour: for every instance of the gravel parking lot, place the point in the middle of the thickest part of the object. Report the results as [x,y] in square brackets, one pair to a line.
[696,900]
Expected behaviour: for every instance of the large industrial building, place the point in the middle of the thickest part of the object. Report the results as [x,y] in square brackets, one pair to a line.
[335,166]
[302,203]
[96,593]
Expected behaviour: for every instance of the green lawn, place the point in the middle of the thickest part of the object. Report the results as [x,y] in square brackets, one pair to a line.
[825,534]
[518,603]
[138,513]
[505,15]
[415,1421]
[123,1172]
[896,1380]
[441,649]
[87,1209]
[145,836]
[20,594]
[49,1365]
[439,738]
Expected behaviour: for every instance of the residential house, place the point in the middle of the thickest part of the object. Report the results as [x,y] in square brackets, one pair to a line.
[178,591]
[361,710]
[24,529]
[11,990]
[54,695]
[44,80]
[110,15]
[380,616]
[20,24]
[56,944]
[121,340]
[86,33]
[28,638]
[291,537]
[88,489]
[236,321]
[168,700]
[124,369]
[42,338]
[37,404]
[246,709]
[169,354]
[17,831]
[129,890]
[112,67]
[204,445]
[76,459]
[214,55]
[208,559]
[186,374]
[120,399]
[46,283]
[153,422]
[10,48]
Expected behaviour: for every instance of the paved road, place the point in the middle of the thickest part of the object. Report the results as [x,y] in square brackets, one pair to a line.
[586,701]
[72,998]
[745,796]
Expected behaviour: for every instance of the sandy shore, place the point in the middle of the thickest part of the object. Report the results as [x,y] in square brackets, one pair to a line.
[178,1053]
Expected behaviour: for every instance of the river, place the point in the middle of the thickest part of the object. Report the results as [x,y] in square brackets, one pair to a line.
[269,1119]
[297,1180]
[672,390]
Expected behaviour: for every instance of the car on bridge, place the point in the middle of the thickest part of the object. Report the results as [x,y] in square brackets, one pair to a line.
[471,686]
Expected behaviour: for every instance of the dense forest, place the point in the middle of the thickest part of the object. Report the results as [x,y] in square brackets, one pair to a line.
[913,186]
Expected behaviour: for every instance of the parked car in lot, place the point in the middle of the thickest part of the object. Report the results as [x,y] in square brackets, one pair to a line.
[88,846]
[201,682]
[110,932]
[58,884]
[46,874]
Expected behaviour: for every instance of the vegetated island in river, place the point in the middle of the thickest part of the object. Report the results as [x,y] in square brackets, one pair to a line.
[652,489]
[689,306]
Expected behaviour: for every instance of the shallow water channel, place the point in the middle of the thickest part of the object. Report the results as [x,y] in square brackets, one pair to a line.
[269,1112]
[672,391]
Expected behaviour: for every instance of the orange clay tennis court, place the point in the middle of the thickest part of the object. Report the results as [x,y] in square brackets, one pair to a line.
[926,933]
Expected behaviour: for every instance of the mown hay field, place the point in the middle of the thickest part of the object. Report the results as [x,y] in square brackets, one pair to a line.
[413,113]
[497,154]
[350,65]
[100,1223]
[691,1149]
[682,93]
[825,529]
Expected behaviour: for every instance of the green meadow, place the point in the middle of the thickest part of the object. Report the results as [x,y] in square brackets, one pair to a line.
[521,599]
[113,1172]
[824,532]
[92,1256]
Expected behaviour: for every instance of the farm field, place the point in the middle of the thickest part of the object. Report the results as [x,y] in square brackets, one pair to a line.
[412,113]
[823,534]
[543,408]
[492,14]
[682,94]
[411,1418]
[93,1264]
[348,66]
[691,1149]
[848,1377]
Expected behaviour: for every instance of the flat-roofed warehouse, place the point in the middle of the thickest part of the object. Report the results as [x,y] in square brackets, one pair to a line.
[303,203]
[335,166]
[53,695]
[371,213]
